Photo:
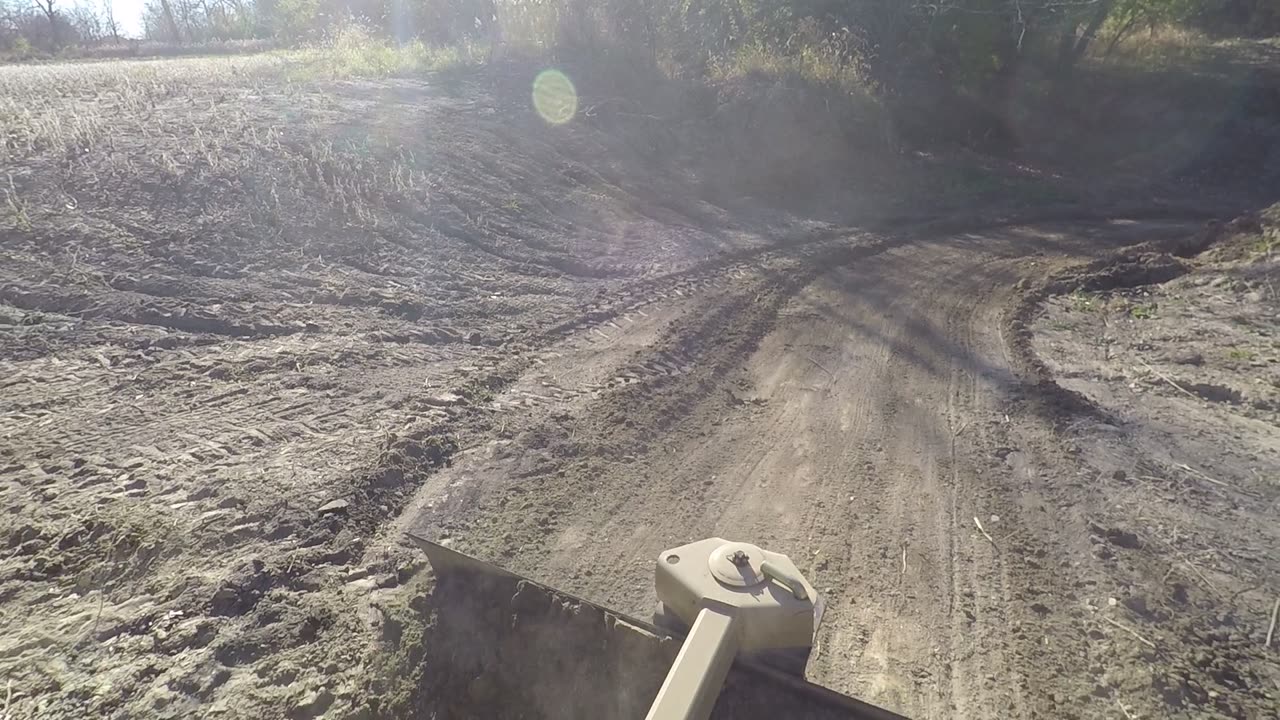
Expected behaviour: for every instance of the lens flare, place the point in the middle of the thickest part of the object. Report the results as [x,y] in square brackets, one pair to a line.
[554,97]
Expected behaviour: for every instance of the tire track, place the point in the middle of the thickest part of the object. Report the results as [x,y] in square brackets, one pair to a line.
[839,402]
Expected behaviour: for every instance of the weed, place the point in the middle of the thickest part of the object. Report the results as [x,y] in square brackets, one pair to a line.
[1241,354]
[1143,311]
[437,449]
[17,206]
[1082,301]
[479,391]
[1267,243]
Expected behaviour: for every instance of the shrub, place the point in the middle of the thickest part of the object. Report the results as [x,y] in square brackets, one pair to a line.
[355,51]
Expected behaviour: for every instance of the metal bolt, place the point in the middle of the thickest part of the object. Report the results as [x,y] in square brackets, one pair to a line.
[739,558]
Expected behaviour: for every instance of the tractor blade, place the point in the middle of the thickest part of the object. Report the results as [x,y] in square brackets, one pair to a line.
[499,645]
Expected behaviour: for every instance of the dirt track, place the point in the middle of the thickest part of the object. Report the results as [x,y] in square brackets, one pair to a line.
[853,403]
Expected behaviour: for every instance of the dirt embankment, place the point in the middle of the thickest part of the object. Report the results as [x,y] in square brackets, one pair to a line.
[1175,351]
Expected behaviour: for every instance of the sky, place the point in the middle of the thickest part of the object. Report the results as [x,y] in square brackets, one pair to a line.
[129,16]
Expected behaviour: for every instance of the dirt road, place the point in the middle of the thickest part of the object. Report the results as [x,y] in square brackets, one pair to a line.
[853,403]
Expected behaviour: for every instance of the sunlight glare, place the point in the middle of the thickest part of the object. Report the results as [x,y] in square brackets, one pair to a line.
[554,97]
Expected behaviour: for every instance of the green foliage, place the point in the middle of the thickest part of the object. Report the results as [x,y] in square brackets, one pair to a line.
[21,49]
[1156,12]
[295,19]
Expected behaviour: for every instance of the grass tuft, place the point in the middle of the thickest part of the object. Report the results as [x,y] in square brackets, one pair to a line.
[1083,301]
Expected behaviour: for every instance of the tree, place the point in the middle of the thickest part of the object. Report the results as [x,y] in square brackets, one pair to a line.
[86,24]
[170,23]
[1075,44]
[46,6]
[109,19]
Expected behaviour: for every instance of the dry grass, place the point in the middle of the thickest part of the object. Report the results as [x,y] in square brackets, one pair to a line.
[216,125]
[813,65]
[133,86]
[355,52]
[70,106]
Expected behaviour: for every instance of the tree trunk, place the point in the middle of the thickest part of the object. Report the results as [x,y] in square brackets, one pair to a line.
[1073,47]
[168,19]
[212,27]
[49,12]
[1067,46]
[110,16]
[1000,92]
[1100,15]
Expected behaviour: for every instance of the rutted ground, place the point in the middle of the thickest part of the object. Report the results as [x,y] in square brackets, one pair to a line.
[856,404]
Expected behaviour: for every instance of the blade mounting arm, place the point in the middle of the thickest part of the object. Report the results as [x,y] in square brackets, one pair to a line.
[695,678]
